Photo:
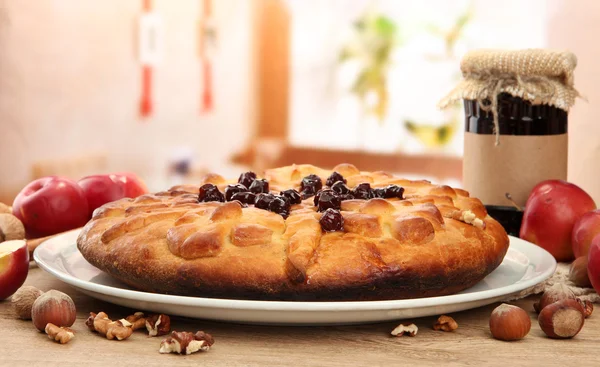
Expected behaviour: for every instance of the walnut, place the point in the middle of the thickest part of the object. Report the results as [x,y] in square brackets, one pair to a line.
[23,299]
[90,321]
[5,208]
[60,334]
[445,323]
[186,342]
[137,320]
[158,324]
[100,323]
[11,228]
[588,307]
[405,329]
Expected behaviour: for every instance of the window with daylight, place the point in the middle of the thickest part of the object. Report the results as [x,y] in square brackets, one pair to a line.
[367,75]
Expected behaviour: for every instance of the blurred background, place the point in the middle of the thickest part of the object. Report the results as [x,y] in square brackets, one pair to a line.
[173,89]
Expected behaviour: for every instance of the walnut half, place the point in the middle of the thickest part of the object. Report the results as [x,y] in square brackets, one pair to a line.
[61,335]
[119,330]
[405,329]
[158,324]
[186,342]
[137,320]
[445,323]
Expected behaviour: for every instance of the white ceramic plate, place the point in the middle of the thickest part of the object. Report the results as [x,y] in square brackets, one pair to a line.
[524,266]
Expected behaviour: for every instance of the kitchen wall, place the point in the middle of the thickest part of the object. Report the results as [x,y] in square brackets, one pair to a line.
[575,25]
[70,85]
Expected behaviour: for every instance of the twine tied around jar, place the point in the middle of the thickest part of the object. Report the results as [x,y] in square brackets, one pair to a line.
[535,75]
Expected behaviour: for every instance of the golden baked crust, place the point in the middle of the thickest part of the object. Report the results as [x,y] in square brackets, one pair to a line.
[437,241]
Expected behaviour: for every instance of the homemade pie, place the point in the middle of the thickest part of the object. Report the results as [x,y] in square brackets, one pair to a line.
[298,233]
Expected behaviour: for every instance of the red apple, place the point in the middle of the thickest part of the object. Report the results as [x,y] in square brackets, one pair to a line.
[14,266]
[51,205]
[551,211]
[593,266]
[102,189]
[584,230]
[134,186]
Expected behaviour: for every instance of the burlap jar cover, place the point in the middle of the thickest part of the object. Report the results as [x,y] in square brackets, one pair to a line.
[495,165]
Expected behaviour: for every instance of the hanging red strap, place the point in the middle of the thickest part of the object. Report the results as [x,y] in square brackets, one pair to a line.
[146,100]
[207,98]
[146,97]
[206,102]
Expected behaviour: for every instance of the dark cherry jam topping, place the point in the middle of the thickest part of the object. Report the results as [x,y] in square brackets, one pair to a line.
[292,195]
[263,200]
[210,192]
[280,205]
[231,190]
[332,220]
[244,197]
[345,197]
[250,190]
[363,191]
[388,192]
[308,192]
[327,199]
[259,186]
[313,181]
[333,178]
[247,178]
[340,188]
[317,197]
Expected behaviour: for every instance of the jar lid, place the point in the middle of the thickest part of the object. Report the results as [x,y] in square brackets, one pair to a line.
[539,76]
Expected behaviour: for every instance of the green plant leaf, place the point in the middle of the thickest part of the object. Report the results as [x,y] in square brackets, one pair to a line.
[385,26]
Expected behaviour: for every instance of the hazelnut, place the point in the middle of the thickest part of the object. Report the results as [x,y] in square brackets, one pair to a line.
[557,292]
[53,307]
[578,273]
[562,319]
[23,300]
[509,322]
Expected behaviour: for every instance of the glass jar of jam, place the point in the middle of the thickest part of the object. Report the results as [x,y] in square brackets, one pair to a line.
[515,117]
[516,107]
[533,148]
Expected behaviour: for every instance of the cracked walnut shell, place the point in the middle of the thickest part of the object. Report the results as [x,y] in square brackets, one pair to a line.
[11,228]
[186,342]
[405,329]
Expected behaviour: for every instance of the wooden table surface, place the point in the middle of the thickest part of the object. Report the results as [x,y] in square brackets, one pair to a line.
[248,345]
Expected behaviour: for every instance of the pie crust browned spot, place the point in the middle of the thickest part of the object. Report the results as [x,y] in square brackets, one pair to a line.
[437,241]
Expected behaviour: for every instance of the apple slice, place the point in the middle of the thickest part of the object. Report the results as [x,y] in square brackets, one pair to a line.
[14,266]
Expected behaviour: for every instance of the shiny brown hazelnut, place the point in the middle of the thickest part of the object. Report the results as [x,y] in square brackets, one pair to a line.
[553,294]
[509,322]
[53,307]
[562,319]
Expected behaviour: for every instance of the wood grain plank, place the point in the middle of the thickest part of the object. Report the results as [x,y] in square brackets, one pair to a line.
[253,345]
